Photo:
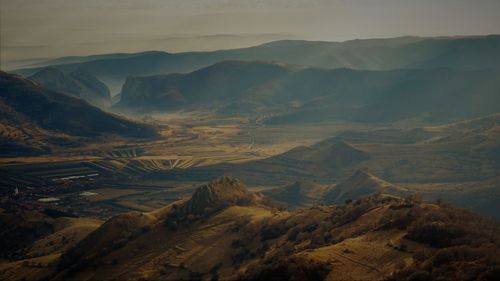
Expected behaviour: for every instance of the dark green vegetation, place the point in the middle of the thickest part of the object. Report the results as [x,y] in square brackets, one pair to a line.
[462,245]
[77,84]
[32,115]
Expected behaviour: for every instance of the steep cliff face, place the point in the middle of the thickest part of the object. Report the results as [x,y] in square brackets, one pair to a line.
[96,88]
[217,84]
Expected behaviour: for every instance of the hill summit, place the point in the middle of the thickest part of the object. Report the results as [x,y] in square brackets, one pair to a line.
[223,191]
[361,183]
[341,153]
[211,198]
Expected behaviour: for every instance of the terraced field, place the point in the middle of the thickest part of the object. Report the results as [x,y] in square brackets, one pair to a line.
[187,143]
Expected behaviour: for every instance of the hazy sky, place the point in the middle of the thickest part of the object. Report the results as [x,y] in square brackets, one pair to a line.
[32,29]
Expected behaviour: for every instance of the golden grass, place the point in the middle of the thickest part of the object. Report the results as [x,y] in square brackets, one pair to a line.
[68,231]
[110,193]
[367,257]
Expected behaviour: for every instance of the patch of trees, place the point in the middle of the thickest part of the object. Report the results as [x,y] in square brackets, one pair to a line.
[349,212]
[461,245]
[464,246]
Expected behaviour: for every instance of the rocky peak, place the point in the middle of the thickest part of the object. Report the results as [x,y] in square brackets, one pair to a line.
[214,196]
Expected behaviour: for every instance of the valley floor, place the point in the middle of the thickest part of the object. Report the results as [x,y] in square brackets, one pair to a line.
[115,171]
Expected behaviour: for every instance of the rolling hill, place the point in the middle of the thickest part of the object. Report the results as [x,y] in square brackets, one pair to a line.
[33,241]
[360,184]
[325,162]
[244,238]
[300,194]
[31,113]
[466,53]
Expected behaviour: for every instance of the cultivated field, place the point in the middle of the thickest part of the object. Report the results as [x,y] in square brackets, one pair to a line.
[117,170]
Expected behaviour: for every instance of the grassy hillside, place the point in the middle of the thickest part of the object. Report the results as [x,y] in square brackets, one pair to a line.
[376,237]
[300,194]
[32,242]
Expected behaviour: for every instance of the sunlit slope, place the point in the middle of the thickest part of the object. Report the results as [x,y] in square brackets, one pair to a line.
[32,242]
[238,235]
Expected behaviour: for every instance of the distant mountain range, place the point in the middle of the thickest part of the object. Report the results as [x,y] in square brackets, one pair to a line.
[465,53]
[294,94]
[30,111]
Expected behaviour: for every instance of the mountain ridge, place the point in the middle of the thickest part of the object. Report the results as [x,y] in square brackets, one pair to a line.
[294,94]
[360,184]
[30,104]
[428,54]
[77,84]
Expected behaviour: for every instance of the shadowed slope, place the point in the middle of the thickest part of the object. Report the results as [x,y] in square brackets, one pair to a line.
[300,194]
[31,242]
[358,185]
[220,82]
[77,84]
[292,94]
[27,102]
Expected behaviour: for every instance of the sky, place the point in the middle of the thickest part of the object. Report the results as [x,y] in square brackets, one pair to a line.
[32,30]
